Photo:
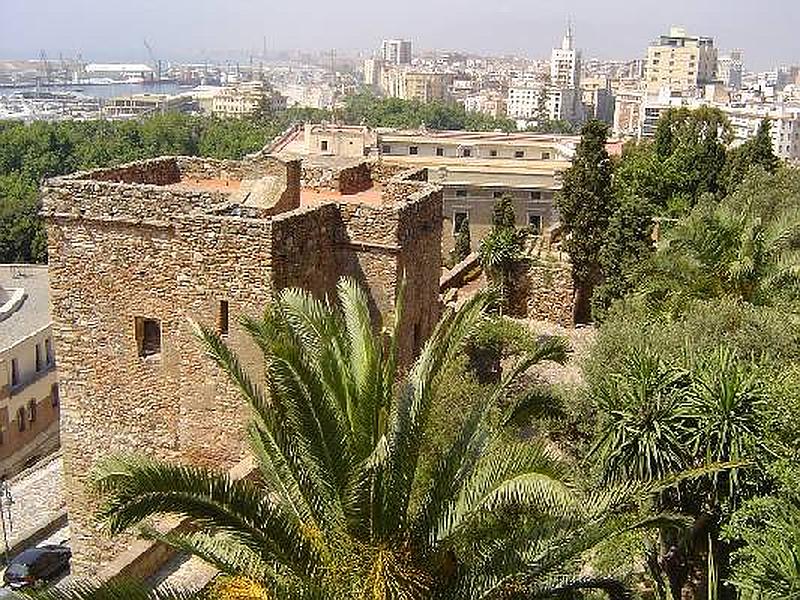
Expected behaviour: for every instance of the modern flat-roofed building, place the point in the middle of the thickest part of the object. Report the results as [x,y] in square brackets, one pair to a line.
[244,99]
[680,62]
[410,84]
[396,52]
[477,168]
[141,105]
[29,397]
[784,127]
[730,70]
[474,168]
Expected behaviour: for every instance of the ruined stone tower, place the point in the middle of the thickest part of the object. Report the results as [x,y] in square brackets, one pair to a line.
[137,250]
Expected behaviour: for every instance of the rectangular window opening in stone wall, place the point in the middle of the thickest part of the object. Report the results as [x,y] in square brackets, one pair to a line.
[39,363]
[32,411]
[413,150]
[535,223]
[14,372]
[386,149]
[21,418]
[536,195]
[493,153]
[440,152]
[324,145]
[497,195]
[461,193]
[148,337]
[545,156]
[223,318]
[519,154]
[54,397]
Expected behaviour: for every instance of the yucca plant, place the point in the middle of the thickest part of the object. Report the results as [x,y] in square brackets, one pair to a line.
[337,508]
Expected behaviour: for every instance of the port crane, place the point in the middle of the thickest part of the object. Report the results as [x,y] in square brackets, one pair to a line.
[45,67]
[155,62]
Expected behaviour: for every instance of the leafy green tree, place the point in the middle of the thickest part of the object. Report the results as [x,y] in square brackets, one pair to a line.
[691,148]
[628,242]
[368,109]
[22,235]
[754,153]
[585,204]
[463,245]
[503,215]
[334,512]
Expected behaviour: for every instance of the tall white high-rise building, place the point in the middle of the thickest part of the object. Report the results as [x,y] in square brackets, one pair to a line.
[564,96]
[565,63]
[373,69]
[396,52]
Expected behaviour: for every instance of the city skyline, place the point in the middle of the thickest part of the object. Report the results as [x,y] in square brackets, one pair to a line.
[183,30]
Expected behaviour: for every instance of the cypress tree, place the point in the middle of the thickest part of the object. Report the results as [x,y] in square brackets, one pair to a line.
[463,245]
[585,204]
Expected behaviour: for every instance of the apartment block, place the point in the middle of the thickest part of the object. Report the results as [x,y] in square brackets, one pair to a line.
[29,393]
[680,62]
[396,52]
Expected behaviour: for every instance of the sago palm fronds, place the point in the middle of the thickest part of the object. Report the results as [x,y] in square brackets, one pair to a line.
[337,438]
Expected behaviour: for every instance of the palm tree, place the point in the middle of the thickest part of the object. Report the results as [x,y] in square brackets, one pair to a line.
[112,590]
[337,507]
[725,250]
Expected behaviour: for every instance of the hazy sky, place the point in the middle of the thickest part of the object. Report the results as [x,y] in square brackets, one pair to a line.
[767,30]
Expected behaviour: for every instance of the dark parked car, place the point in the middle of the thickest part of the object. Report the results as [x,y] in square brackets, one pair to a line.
[37,565]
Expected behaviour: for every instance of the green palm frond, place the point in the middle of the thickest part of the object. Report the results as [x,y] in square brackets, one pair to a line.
[223,551]
[112,590]
[135,489]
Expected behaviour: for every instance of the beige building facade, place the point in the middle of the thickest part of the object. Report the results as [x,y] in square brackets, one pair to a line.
[244,99]
[680,62]
[474,169]
[29,394]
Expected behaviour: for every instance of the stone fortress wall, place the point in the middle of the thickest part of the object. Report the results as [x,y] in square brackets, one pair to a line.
[154,240]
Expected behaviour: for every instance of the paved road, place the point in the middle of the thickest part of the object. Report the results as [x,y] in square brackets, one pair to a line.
[38,495]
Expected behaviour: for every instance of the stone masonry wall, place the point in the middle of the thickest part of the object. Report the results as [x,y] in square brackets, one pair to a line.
[420,262]
[347,180]
[550,292]
[118,252]
[123,202]
[155,171]
[355,179]
[175,405]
